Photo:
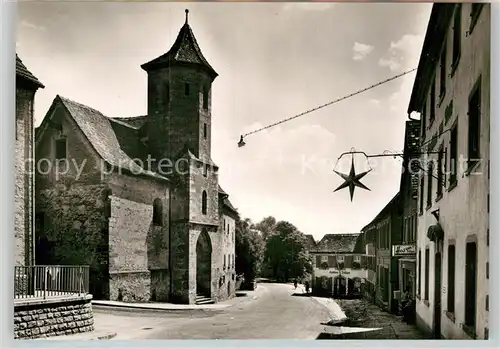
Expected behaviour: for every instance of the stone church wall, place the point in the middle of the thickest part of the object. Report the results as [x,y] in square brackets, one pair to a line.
[138,249]
[74,216]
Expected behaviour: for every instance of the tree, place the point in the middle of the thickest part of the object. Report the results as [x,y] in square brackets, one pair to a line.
[286,252]
[249,250]
[266,226]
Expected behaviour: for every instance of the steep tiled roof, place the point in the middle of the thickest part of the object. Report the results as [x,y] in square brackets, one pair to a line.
[102,136]
[229,206]
[310,242]
[337,243]
[185,50]
[135,121]
[385,211]
[23,73]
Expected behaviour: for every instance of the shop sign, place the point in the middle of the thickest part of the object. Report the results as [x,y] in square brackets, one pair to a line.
[403,250]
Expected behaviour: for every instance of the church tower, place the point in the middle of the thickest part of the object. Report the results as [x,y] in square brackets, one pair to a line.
[179,130]
[179,103]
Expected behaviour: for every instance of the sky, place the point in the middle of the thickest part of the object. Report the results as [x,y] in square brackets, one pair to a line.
[274,60]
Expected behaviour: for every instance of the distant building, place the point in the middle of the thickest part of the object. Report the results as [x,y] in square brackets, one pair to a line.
[338,265]
[385,229]
[452,94]
[26,86]
[160,230]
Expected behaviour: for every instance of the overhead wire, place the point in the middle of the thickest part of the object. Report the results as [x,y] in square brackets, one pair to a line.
[329,103]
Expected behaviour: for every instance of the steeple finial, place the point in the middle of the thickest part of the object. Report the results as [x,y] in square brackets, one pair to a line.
[187,12]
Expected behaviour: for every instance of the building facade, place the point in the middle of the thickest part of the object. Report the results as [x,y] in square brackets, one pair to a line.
[338,261]
[26,86]
[138,198]
[406,252]
[385,229]
[452,95]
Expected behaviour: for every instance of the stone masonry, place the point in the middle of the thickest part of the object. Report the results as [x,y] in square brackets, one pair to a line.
[26,86]
[54,319]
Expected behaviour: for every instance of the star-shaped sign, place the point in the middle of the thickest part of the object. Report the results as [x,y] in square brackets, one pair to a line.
[352,180]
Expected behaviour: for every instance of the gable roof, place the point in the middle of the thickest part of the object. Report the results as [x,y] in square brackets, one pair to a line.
[385,211]
[109,139]
[310,242]
[185,50]
[338,243]
[24,74]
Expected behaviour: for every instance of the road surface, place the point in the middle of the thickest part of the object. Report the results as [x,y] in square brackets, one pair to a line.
[274,311]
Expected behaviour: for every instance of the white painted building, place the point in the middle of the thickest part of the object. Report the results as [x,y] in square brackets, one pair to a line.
[452,94]
[339,265]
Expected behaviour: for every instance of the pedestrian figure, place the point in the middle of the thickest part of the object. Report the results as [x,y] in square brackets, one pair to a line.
[295,283]
[406,305]
[306,284]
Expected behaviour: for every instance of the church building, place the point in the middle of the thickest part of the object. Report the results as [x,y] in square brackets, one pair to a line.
[138,198]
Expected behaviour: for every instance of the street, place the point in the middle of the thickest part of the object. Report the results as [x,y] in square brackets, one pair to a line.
[273,313]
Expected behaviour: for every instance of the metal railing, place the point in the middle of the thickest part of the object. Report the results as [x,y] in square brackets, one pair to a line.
[48,281]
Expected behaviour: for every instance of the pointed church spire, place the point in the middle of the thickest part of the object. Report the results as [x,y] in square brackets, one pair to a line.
[185,50]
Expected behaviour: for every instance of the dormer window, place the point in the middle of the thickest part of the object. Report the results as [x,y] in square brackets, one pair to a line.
[61,148]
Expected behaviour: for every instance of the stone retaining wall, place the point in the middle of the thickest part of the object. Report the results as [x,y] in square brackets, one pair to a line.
[45,318]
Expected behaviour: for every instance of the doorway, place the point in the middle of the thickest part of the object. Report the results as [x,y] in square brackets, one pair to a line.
[437,296]
[203,264]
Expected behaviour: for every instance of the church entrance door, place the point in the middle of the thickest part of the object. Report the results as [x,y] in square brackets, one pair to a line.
[203,264]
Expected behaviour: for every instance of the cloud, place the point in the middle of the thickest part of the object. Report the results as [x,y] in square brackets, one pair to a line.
[308,6]
[402,54]
[26,24]
[361,51]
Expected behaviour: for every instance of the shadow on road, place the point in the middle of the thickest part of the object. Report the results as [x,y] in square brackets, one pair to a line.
[241,294]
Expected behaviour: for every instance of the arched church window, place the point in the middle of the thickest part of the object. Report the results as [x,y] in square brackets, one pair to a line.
[205,97]
[204,202]
[158,212]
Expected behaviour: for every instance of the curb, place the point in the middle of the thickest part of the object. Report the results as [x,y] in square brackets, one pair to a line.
[126,307]
[106,336]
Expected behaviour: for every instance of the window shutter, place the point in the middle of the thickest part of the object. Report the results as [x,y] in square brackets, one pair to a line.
[348,262]
[331,261]
[318,261]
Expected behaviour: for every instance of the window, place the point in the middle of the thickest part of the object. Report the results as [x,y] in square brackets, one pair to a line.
[324,259]
[430,170]
[157,212]
[205,97]
[442,75]
[205,170]
[357,259]
[457,36]
[453,155]
[421,199]
[186,89]
[426,289]
[340,259]
[432,111]
[474,15]
[474,125]
[167,94]
[61,148]
[205,130]
[224,227]
[419,290]
[487,303]
[470,284]
[440,171]
[224,267]
[204,202]
[451,278]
